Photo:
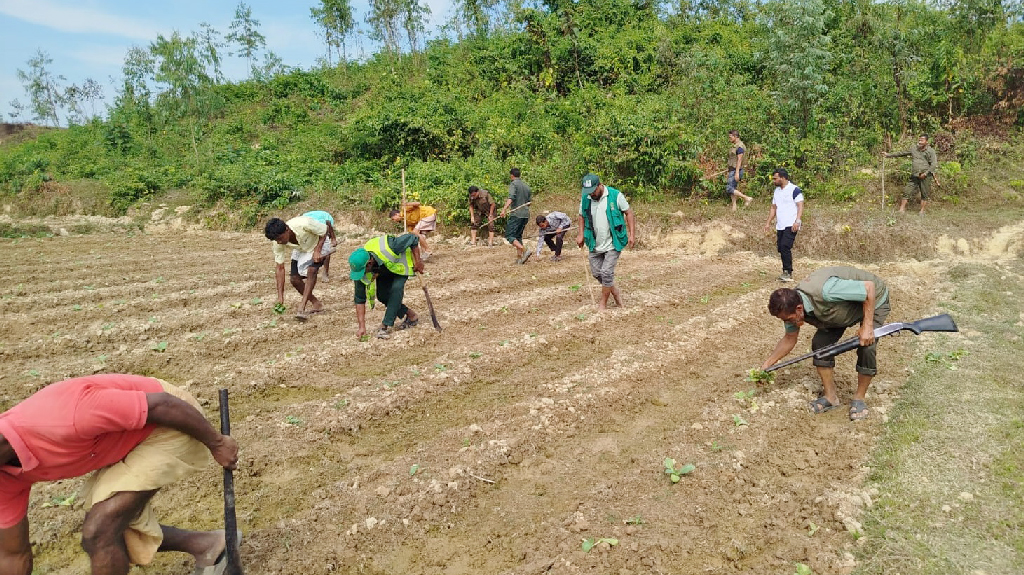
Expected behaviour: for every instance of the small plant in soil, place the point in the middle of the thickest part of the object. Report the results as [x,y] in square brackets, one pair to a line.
[255,301]
[279,308]
[591,542]
[575,287]
[802,569]
[638,520]
[475,355]
[340,404]
[60,501]
[760,378]
[738,420]
[676,471]
[292,420]
[77,307]
[159,347]
[414,469]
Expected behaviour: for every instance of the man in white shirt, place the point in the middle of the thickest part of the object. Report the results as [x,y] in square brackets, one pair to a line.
[787,210]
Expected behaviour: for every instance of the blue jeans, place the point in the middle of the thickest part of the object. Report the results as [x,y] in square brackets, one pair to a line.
[731,182]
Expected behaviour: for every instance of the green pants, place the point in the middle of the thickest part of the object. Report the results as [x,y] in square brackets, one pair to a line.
[918,185]
[391,292]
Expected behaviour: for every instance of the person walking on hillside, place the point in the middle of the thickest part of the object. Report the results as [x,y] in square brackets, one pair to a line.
[328,220]
[606,226]
[518,210]
[135,435]
[551,230]
[380,269]
[734,172]
[419,219]
[833,299]
[923,165]
[787,210]
[481,207]
[304,240]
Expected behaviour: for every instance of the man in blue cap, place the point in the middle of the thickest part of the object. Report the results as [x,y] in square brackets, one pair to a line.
[606,226]
[380,269]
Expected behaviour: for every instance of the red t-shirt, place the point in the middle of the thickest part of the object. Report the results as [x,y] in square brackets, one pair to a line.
[71,428]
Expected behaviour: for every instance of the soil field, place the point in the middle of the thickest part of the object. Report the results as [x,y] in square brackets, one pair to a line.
[530,424]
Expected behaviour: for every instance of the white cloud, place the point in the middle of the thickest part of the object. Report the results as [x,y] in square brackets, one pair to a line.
[67,18]
[100,55]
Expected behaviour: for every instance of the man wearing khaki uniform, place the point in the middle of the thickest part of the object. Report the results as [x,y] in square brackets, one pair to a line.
[924,163]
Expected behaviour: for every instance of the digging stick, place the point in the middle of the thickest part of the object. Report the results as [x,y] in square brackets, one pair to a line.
[405,212]
[430,304]
[883,182]
[230,523]
[586,276]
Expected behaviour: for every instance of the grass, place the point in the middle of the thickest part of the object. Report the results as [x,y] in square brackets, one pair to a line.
[954,433]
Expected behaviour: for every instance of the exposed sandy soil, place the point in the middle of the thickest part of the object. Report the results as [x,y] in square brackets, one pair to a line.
[532,422]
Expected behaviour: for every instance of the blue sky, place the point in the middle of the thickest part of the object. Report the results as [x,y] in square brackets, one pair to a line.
[89,38]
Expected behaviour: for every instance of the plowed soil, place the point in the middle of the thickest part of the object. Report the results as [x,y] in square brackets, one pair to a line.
[529,424]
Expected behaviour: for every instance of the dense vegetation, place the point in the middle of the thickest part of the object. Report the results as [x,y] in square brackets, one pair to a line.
[639,91]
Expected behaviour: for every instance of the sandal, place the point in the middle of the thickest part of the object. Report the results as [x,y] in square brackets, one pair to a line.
[406,324]
[858,410]
[821,405]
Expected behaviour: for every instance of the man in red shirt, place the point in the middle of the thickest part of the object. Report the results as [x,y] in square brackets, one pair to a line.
[138,434]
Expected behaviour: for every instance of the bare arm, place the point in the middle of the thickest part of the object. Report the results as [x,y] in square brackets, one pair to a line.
[15,550]
[317,255]
[867,324]
[168,411]
[771,218]
[739,165]
[472,213]
[579,232]
[782,349]
[361,319]
[417,261]
[508,203]
[799,216]
[330,234]
[279,276]
[631,227]
[493,208]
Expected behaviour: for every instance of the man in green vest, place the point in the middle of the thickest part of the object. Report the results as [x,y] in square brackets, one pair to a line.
[606,226]
[380,270]
[833,299]
[924,163]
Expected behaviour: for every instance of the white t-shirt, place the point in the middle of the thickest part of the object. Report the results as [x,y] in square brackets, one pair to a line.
[785,201]
[602,228]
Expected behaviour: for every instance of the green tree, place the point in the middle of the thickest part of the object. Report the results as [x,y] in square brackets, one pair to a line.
[245,34]
[798,54]
[385,20]
[337,22]
[414,21]
[44,90]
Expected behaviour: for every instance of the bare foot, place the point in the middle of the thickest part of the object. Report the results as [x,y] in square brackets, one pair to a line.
[747,200]
[213,544]
[734,206]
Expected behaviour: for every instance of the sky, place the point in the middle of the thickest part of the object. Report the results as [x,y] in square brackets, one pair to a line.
[89,38]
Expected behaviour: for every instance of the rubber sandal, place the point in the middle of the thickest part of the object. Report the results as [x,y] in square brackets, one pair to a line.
[858,410]
[406,324]
[821,405]
[221,565]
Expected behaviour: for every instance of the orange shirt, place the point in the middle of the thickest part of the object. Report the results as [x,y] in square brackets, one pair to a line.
[414,215]
[71,428]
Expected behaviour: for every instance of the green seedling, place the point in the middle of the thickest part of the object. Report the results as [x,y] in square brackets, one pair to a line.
[812,529]
[440,367]
[152,319]
[958,354]
[475,355]
[503,343]
[705,298]
[340,404]
[77,307]
[638,520]
[575,287]
[199,336]
[802,569]
[88,288]
[581,317]
[744,396]
[465,442]
[237,305]
[737,420]
[591,542]
[107,326]
[228,331]
[59,501]
[933,357]
[676,471]
[159,280]
[414,469]
[159,347]
[33,373]
[760,378]
[255,301]
[504,309]
[292,420]
[101,359]
[279,308]
[745,284]
[364,338]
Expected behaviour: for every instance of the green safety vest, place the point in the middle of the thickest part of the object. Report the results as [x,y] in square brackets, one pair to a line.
[616,221]
[396,264]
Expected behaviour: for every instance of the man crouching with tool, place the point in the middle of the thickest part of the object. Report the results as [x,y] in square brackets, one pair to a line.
[833,299]
[380,270]
[135,435]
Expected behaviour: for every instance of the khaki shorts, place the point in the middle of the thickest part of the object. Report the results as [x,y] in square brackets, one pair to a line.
[160,460]
[426,224]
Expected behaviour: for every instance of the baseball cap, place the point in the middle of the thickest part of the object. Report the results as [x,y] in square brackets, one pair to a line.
[590,183]
[357,261]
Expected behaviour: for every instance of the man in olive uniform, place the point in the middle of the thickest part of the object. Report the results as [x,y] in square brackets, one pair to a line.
[380,269]
[517,207]
[833,299]
[481,207]
[923,165]
[734,173]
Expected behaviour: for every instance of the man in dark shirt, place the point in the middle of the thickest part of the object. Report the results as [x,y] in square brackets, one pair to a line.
[519,201]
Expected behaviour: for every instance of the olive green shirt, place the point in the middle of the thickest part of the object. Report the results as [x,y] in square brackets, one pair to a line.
[735,151]
[921,160]
[519,193]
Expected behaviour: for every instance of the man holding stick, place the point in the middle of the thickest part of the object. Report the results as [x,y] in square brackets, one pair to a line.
[519,202]
[380,270]
[551,231]
[923,165]
[136,435]
[606,226]
[833,299]
[481,207]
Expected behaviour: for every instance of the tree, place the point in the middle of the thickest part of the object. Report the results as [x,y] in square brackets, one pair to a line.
[245,34]
[385,19]
[43,89]
[414,22]
[336,21]
[798,54]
